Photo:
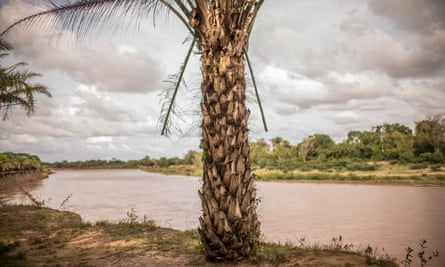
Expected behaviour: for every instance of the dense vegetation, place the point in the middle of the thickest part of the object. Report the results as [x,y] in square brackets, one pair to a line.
[11,163]
[395,143]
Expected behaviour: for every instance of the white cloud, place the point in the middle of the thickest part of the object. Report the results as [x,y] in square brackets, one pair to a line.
[100,139]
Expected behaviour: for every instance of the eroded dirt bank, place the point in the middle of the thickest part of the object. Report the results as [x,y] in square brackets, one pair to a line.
[19,178]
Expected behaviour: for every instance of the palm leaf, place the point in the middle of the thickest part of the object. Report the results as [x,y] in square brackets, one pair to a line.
[81,16]
[168,106]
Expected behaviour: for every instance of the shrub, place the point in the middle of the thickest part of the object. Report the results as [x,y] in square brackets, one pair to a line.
[435,157]
[361,167]
[407,157]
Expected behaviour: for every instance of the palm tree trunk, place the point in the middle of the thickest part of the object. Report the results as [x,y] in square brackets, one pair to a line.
[229,227]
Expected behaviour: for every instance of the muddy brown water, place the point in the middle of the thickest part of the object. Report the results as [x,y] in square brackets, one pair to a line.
[383,216]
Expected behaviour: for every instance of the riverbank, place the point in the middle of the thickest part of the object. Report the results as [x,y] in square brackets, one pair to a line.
[36,236]
[385,174]
[18,178]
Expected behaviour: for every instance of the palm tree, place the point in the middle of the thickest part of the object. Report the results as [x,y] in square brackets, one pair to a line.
[220,30]
[15,90]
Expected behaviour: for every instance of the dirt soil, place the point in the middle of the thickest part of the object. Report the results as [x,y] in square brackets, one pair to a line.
[35,236]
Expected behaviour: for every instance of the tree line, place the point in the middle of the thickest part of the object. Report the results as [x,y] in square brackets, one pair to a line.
[396,143]
[191,158]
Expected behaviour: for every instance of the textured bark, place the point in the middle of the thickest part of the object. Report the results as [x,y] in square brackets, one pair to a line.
[229,227]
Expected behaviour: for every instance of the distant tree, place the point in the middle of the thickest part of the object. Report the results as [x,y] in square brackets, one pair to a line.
[361,144]
[15,88]
[393,139]
[305,147]
[191,157]
[430,135]
[163,162]
[282,153]
[402,142]
[259,152]
[146,161]
[321,143]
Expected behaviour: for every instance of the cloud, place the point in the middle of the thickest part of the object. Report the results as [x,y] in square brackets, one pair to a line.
[108,66]
[346,117]
[377,50]
[334,88]
[88,102]
[422,17]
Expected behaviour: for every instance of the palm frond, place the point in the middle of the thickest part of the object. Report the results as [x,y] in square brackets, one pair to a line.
[175,81]
[81,16]
[256,91]
[4,46]
[15,90]
[175,113]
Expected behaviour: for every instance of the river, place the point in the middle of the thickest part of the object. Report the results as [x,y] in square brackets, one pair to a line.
[384,216]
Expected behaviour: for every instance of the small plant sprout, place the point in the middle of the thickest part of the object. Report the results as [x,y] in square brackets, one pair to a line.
[423,257]
[408,257]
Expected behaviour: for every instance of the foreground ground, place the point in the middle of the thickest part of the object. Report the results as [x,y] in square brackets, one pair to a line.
[36,236]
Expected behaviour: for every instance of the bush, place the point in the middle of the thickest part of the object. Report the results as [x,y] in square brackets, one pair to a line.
[262,162]
[436,168]
[361,167]
[407,157]
[306,168]
[435,157]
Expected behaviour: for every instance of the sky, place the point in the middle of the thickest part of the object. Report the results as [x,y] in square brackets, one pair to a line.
[322,66]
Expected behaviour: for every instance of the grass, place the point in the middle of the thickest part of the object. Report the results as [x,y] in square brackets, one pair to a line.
[375,173]
[38,236]
[380,173]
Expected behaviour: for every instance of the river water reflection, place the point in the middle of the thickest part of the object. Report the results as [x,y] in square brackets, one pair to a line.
[389,217]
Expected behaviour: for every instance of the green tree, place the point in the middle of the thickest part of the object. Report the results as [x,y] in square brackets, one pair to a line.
[146,161]
[430,135]
[321,143]
[282,153]
[229,227]
[305,148]
[259,152]
[361,144]
[15,88]
[393,140]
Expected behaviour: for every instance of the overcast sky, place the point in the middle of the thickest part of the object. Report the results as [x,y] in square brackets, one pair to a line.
[322,66]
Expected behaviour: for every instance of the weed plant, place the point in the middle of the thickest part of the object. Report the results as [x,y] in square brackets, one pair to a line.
[424,258]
